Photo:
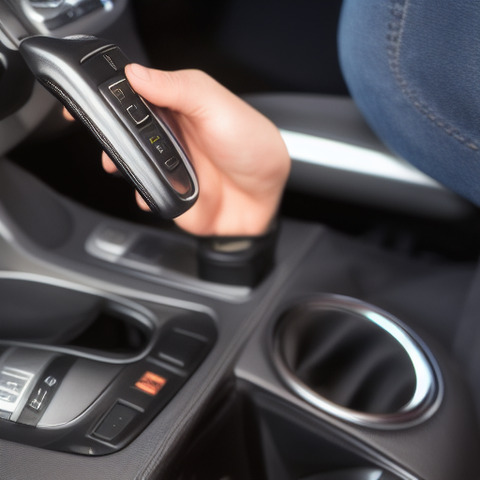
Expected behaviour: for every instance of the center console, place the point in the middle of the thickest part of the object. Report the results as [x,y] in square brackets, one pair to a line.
[108,369]
[327,369]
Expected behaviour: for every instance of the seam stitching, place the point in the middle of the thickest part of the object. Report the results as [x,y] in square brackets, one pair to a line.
[398,13]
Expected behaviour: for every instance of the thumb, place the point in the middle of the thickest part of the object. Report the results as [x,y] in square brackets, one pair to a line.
[181,91]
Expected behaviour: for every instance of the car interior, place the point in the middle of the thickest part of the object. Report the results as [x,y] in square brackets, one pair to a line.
[354,357]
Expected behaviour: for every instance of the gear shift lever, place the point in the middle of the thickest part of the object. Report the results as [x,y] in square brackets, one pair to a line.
[87,75]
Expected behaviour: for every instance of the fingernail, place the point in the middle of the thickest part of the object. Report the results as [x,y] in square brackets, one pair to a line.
[140,72]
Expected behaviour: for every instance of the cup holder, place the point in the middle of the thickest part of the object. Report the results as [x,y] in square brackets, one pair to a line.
[57,316]
[356,362]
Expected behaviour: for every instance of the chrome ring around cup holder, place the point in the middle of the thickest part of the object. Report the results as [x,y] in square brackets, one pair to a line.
[350,321]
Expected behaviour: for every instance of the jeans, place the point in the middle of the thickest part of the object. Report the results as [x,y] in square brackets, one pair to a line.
[413,68]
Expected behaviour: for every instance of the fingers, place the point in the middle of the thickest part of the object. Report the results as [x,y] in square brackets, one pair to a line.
[107,164]
[67,115]
[184,91]
[141,202]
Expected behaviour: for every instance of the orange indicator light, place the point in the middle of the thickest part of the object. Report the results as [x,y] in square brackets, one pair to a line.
[150,383]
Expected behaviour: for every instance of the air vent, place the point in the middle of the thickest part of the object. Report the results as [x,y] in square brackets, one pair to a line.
[356,362]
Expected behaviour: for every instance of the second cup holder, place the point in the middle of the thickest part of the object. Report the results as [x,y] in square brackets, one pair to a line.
[356,362]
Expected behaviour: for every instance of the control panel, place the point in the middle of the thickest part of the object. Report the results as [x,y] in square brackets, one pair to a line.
[90,407]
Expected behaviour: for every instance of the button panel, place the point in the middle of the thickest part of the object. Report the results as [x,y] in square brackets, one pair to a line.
[127,396]
[151,133]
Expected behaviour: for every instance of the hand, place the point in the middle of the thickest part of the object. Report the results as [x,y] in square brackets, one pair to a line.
[241,161]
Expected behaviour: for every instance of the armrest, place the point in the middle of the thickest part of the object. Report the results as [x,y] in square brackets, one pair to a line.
[335,154]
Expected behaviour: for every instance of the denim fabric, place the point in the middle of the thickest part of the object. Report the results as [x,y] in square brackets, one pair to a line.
[413,68]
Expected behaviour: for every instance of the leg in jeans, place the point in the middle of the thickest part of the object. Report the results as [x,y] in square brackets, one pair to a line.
[413,68]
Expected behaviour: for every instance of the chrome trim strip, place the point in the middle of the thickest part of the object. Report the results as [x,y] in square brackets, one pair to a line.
[333,154]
